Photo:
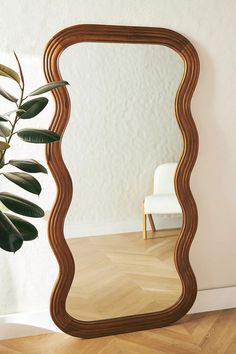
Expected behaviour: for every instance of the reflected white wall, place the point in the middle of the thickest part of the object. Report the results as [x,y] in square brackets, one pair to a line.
[122,126]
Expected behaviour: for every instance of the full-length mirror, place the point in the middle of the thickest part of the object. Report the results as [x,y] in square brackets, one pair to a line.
[124,217]
[121,146]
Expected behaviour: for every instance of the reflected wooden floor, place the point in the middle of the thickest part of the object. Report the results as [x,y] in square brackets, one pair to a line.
[122,274]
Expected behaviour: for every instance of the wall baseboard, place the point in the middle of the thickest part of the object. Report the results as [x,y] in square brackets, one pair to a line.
[214,299]
[35,323]
[26,324]
[134,225]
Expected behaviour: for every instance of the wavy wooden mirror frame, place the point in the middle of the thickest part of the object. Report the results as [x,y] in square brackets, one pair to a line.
[122,34]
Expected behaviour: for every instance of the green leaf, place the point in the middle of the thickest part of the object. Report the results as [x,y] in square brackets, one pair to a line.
[20,69]
[38,136]
[3,119]
[10,237]
[30,165]
[8,72]
[4,131]
[26,229]
[3,208]
[48,87]
[7,95]
[3,145]
[33,107]
[21,206]
[25,181]
[2,160]
[14,111]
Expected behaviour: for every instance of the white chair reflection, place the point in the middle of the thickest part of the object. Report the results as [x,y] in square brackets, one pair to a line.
[163,200]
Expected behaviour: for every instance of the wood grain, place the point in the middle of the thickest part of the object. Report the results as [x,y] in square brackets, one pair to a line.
[122,34]
[205,333]
[125,275]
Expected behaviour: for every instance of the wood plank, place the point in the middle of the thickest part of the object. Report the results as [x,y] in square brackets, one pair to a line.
[122,274]
[206,333]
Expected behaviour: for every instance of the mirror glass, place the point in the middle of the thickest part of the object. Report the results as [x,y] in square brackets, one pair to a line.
[122,129]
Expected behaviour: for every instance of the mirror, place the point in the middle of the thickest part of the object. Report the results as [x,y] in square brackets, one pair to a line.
[122,237]
[122,126]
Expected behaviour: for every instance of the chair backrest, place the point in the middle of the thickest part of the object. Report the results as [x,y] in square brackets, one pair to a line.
[164,178]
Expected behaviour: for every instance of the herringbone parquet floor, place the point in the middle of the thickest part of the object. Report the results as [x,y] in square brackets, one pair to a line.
[122,274]
[206,333]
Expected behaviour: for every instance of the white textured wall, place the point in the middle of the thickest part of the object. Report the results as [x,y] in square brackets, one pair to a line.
[21,278]
[26,26]
[122,126]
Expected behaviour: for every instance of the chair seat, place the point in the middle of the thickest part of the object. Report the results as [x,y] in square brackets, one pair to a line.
[162,204]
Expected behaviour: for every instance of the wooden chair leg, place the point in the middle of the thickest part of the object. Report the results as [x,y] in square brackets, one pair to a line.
[144,224]
[151,222]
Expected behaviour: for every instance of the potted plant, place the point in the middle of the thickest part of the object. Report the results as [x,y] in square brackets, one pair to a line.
[14,230]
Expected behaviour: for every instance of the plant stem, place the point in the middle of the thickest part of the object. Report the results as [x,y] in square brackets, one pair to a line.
[9,138]
[18,106]
[5,164]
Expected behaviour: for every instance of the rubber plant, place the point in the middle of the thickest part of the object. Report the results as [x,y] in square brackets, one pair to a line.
[14,230]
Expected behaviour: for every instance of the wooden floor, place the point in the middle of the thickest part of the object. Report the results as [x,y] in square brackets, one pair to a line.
[122,274]
[207,333]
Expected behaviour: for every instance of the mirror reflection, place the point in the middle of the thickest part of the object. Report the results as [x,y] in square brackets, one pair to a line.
[121,147]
